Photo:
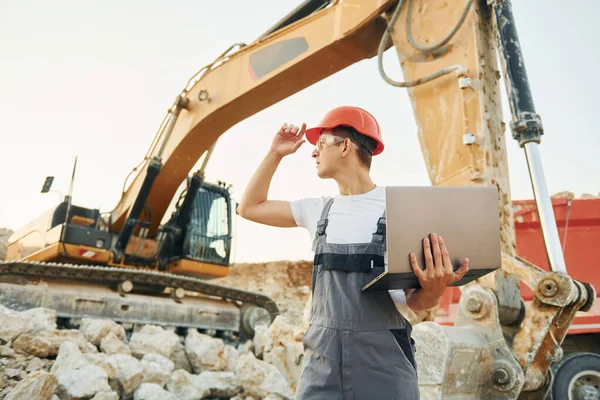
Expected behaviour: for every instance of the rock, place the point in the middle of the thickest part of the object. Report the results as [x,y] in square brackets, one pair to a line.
[106,396]
[6,351]
[273,397]
[130,372]
[223,385]
[12,372]
[260,378]
[305,290]
[243,348]
[36,364]
[54,397]
[101,360]
[95,330]
[231,355]
[35,320]
[288,359]
[286,349]
[205,352]
[261,340]
[39,385]
[157,369]
[185,386]
[153,339]
[112,344]
[180,359]
[564,194]
[306,313]
[77,378]
[17,361]
[152,391]
[47,343]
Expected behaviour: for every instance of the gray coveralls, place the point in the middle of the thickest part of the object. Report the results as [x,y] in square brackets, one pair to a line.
[358,346]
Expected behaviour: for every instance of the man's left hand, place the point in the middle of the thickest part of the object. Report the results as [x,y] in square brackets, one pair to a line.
[438,273]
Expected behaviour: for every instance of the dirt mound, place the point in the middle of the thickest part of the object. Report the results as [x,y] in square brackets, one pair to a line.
[288,283]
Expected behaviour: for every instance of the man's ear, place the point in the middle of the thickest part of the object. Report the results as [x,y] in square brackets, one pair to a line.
[346,149]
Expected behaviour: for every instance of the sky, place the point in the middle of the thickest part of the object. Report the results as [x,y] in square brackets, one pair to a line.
[93,80]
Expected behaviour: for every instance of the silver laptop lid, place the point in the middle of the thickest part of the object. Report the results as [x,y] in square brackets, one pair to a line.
[467,217]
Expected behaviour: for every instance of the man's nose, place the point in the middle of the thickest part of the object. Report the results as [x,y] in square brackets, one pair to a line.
[315,152]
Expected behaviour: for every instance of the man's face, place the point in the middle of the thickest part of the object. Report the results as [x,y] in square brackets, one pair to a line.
[327,153]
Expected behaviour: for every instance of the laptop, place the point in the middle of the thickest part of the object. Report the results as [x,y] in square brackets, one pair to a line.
[467,218]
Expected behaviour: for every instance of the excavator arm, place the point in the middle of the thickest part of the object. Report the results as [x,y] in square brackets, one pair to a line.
[498,347]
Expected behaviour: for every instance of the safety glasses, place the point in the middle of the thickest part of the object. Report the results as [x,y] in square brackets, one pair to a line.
[327,140]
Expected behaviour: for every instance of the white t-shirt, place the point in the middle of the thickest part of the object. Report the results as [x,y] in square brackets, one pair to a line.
[352,219]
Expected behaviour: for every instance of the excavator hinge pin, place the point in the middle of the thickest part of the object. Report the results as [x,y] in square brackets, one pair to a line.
[549,287]
[503,375]
[203,95]
[500,376]
[556,355]
[474,305]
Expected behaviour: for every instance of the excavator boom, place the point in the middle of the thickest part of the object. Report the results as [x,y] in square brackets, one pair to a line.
[249,80]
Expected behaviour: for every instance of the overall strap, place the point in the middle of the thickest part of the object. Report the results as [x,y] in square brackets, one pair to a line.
[379,235]
[319,239]
[322,224]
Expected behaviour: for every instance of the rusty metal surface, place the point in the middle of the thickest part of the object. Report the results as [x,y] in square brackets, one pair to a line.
[461,107]
[480,358]
[536,343]
[470,360]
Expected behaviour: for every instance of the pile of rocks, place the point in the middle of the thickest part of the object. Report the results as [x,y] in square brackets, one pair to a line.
[102,361]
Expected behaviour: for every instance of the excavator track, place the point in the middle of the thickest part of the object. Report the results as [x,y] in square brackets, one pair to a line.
[206,305]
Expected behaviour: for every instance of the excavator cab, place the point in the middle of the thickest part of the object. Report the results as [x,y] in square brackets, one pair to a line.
[208,235]
[197,239]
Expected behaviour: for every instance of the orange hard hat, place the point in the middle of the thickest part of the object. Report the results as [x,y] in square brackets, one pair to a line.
[356,117]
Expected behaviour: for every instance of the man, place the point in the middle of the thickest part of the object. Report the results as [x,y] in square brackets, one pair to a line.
[358,346]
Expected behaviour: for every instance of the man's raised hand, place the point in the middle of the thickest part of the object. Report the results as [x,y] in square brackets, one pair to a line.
[288,139]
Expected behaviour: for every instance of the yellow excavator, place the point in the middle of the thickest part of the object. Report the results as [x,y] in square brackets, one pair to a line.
[127,266]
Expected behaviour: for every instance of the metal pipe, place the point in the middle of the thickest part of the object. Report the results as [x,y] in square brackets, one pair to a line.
[182,102]
[526,126]
[69,200]
[554,251]
[202,169]
[132,221]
